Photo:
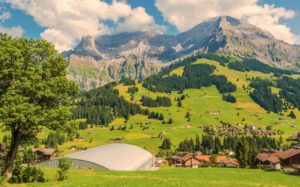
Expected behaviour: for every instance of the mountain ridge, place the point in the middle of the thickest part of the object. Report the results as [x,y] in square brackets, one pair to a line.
[140,54]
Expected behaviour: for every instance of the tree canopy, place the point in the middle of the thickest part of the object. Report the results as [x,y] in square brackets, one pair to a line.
[34,90]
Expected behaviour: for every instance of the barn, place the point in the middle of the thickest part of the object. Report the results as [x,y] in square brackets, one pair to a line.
[115,156]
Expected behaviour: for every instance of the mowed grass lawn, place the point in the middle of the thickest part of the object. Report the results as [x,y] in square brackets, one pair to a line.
[173,177]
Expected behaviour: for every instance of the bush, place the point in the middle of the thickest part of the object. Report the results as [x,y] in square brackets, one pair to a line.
[229,98]
[27,174]
[264,167]
[33,174]
[64,165]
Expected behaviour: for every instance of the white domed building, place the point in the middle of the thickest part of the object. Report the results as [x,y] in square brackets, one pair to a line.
[115,156]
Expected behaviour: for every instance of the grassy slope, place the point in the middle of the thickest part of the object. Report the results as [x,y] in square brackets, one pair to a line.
[197,102]
[174,177]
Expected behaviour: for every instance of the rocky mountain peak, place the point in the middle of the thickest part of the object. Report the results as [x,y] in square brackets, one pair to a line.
[109,55]
[87,47]
[87,42]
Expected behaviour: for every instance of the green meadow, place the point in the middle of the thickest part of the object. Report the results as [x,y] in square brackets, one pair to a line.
[145,132]
[148,133]
[171,177]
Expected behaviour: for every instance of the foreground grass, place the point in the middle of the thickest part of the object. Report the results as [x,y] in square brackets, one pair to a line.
[173,177]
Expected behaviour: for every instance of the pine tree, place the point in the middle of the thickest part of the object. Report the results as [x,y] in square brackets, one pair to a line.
[292,115]
[197,143]
[161,117]
[218,145]
[242,152]
[166,144]
[170,121]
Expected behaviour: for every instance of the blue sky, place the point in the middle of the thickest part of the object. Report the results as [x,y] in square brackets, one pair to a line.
[164,16]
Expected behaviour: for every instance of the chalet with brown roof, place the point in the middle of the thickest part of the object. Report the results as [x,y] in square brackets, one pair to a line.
[44,154]
[289,157]
[269,159]
[277,160]
[175,161]
[189,160]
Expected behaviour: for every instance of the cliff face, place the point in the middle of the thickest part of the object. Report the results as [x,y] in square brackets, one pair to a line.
[89,73]
[96,61]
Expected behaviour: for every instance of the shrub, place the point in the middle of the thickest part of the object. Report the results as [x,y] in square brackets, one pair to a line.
[64,165]
[229,98]
[33,174]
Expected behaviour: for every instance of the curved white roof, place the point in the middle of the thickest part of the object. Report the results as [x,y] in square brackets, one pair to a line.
[115,156]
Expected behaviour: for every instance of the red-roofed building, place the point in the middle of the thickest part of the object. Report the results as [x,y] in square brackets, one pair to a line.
[203,159]
[224,161]
[190,160]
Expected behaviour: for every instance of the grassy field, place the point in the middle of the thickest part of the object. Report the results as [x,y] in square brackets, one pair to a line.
[144,132]
[198,102]
[172,177]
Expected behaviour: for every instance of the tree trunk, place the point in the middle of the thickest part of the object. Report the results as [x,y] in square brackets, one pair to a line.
[11,155]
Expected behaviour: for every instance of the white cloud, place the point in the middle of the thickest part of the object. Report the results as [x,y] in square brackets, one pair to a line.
[16,31]
[186,14]
[4,16]
[139,20]
[66,21]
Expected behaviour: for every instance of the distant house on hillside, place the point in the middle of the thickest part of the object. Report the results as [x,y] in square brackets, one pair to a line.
[251,128]
[44,154]
[296,135]
[214,112]
[281,159]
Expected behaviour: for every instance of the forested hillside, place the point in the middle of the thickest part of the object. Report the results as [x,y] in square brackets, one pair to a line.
[205,94]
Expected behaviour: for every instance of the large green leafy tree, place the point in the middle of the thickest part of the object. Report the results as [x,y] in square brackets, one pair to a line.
[34,91]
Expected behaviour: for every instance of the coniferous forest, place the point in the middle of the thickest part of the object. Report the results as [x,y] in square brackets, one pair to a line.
[102,105]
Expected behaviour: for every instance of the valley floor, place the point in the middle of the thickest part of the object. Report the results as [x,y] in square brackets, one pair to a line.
[173,177]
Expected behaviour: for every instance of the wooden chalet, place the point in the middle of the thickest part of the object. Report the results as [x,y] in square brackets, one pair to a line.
[280,159]
[44,154]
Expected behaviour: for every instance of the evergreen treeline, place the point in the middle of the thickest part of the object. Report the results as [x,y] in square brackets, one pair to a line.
[54,138]
[223,60]
[263,96]
[159,101]
[290,90]
[213,144]
[248,64]
[194,76]
[100,106]
[127,81]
